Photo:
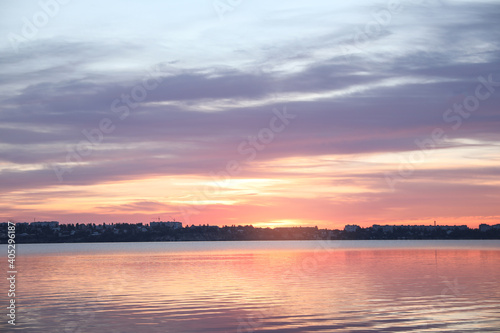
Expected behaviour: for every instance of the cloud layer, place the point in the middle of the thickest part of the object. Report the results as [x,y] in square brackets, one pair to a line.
[141,115]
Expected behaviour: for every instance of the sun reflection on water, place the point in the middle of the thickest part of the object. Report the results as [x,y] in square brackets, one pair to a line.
[255,288]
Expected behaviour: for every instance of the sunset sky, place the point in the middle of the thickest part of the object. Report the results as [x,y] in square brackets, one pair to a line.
[271,113]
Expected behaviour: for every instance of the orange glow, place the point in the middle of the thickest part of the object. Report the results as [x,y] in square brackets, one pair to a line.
[323,191]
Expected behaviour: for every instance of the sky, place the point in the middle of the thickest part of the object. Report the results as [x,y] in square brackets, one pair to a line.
[236,112]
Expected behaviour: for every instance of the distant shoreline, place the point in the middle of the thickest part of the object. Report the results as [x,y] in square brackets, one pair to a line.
[53,232]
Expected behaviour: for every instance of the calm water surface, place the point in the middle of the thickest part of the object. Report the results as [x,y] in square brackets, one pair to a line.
[291,286]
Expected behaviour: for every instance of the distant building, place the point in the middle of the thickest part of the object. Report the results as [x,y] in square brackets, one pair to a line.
[485,227]
[427,228]
[51,224]
[384,228]
[173,225]
[351,228]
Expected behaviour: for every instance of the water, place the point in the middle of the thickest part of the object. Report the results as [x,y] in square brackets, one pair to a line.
[291,286]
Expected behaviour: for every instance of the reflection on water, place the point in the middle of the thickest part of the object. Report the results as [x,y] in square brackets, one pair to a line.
[258,287]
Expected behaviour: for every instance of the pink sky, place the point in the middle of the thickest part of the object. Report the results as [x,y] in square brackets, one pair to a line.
[269,114]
